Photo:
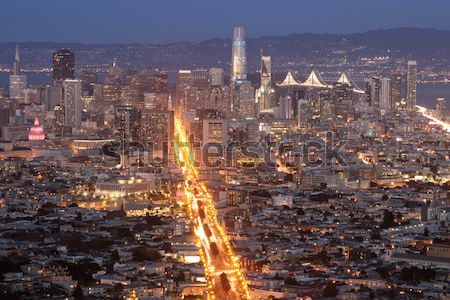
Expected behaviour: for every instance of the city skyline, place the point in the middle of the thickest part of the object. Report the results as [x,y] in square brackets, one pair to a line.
[294,167]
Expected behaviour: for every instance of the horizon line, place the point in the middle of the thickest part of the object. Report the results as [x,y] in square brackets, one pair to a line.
[225,38]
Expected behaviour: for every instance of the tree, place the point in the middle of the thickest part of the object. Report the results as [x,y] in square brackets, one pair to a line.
[115,257]
[388,219]
[330,290]
[143,253]
[78,292]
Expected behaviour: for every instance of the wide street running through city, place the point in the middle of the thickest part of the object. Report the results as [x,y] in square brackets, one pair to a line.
[224,277]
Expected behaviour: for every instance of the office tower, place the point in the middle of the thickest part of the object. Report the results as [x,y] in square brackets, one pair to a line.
[242,99]
[373,91]
[71,103]
[411,84]
[17,62]
[385,95]
[112,88]
[127,123]
[160,83]
[157,130]
[341,98]
[216,77]
[17,82]
[286,110]
[265,92]
[440,107]
[302,115]
[4,116]
[63,64]
[215,131]
[238,59]
[88,79]
[396,89]
[200,77]
[155,81]
[17,86]
[219,98]
[51,95]
[183,82]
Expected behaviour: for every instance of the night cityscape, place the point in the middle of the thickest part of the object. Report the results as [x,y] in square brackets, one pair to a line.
[232,150]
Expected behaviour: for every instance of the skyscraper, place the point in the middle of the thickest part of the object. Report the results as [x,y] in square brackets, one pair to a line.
[17,62]
[243,100]
[385,95]
[128,121]
[265,92]
[238,59]
[157,130]
[17,82]
[396,89]
[373,91]
[112,89]
[88,79]
[216,77]
[440,106]
[184,80]
[411,84]
[63,64]
[71,103]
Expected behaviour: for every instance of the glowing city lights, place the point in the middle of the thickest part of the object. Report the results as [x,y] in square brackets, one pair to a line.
[215,251]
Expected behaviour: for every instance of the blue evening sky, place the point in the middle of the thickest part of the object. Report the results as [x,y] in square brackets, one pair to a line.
[160,21]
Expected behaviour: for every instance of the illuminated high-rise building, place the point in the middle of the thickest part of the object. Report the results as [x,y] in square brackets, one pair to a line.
[215,131]
[373,91]
[17,82]
[341,96]
[238,59]
[71,103]
[156,133]
[411,84]
[127,121]
[216,77]
[112,88]
[88,80]
[17,86]
[17,62]
[385,95]
[396,89]
[440,107]
[63,64]
[265,92]
[302,115]
[183,83]
[242,99]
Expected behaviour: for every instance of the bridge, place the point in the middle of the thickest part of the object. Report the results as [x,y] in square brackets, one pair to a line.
[223,274]
[424,112]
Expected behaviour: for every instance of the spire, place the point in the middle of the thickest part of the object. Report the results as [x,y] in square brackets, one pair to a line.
[17,53]
[17,62]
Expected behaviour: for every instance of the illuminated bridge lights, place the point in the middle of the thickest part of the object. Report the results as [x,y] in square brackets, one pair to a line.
[222,260]
[423,111]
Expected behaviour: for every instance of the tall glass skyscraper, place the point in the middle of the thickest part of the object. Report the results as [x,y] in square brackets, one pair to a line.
[63,64]
[411,84]
[238,59]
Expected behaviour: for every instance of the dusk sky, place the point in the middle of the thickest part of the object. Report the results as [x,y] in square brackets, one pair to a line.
[145,21]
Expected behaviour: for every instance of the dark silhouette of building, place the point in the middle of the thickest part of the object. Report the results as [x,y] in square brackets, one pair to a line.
[63,64]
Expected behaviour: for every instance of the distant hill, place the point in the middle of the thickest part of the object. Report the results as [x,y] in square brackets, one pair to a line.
[296,51]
